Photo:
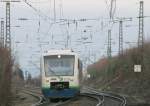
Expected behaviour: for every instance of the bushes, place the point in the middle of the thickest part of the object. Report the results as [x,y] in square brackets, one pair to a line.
[5,77]
[119,71]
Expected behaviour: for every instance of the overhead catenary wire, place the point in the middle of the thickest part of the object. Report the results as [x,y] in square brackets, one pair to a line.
[112,9]
[45,17]
[65,21]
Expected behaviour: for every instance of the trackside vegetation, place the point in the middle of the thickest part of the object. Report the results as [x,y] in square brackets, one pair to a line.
[5,77]
[117,74]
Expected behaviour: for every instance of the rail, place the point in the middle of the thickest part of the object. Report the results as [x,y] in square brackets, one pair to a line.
[99,96]
[41,100]
[118,97]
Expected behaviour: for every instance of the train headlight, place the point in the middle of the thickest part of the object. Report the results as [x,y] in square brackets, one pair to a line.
[47,81]
[59,56]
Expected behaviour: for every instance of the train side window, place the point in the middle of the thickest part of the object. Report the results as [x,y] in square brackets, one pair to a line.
[78,64]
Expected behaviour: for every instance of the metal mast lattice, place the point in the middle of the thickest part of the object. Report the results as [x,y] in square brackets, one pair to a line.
[2,34]
[109,44]
[8,33]
[141,26]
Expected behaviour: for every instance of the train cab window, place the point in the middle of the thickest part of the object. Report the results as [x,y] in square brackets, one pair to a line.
[59,65]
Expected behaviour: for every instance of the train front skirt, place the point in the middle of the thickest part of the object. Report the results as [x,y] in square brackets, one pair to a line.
[64,93]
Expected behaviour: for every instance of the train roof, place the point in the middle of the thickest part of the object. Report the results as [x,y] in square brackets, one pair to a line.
[61,52]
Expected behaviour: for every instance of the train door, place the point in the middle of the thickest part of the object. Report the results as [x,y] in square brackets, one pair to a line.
[80,71]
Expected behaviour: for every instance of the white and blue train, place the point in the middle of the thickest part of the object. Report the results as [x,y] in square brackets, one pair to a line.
[61,74]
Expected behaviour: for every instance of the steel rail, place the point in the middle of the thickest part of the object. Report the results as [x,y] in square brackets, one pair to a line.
[100,98]
[88,92]
[97,97]
[109,94]
[41,99]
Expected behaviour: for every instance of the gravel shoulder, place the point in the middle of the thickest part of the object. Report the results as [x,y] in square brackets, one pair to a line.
[23,99]
[82,101]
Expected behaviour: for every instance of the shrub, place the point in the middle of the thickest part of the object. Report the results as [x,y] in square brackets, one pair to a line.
[5,77]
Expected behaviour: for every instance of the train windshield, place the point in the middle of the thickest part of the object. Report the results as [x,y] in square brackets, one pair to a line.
[59,65]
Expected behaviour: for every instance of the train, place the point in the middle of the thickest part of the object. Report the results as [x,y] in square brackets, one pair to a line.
[61,72]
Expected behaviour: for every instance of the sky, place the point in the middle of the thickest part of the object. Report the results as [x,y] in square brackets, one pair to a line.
[43,30]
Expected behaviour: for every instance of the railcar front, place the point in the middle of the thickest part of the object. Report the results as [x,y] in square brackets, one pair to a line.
[60,75]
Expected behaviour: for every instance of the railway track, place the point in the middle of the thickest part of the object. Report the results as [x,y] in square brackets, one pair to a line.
[99,98]
[110,99]
[36,94]
[88,97]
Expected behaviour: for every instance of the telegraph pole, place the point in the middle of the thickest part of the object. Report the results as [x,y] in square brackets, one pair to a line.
[2,34]
[8,33]
[140,51]
[109,55]
[54,10]
[26,76]
[141,25]
[141,36]
[120,37]
[67,42]
[121,20]
[109,44]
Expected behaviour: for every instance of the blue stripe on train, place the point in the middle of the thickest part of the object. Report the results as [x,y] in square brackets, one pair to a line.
[66,93]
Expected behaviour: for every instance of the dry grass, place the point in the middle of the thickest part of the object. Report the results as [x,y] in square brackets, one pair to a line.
[118,73]
[5,77]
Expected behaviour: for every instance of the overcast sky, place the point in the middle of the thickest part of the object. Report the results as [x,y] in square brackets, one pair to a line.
[41,27]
